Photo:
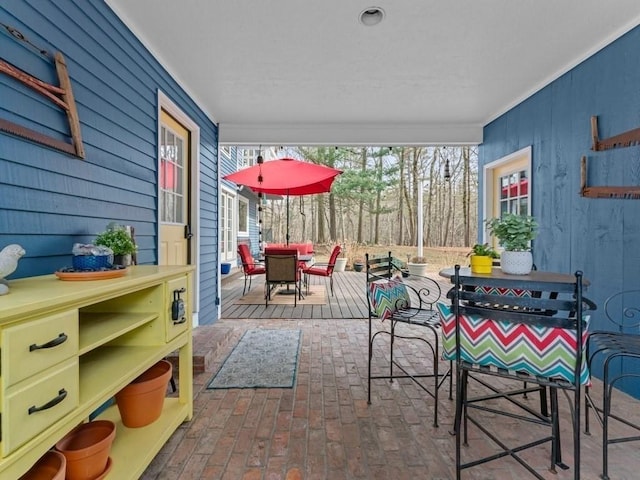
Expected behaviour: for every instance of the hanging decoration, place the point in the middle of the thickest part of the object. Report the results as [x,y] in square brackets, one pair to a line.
[61,96]
[260,161]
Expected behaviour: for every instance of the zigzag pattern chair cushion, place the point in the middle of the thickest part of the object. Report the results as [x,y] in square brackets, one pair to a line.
[387,296]
[542,351]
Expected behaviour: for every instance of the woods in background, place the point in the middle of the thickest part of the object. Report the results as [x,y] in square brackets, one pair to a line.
[375,200]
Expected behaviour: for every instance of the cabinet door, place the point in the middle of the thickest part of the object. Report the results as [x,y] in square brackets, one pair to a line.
[179,307]
[36,404]
[33,346]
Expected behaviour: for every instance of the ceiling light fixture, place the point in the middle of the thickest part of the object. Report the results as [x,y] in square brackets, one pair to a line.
[371,16]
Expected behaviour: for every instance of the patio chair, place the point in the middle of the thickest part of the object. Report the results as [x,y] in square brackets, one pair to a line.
[481,330]
[619,354]
[250,267]
[282,269]
[393,303]
[322,269]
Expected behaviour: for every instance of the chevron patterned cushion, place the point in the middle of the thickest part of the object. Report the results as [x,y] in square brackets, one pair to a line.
[387,296]
[540,351]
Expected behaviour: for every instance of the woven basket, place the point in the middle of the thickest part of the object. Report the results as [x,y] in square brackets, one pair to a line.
[92,262]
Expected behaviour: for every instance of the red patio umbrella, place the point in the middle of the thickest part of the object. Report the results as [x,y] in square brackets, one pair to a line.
[286,176]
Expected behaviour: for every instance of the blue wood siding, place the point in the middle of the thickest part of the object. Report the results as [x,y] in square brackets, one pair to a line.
[598,236]
[50,200]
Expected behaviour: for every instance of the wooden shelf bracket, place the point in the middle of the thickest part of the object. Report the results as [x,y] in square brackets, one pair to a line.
[632,193]
[626,139]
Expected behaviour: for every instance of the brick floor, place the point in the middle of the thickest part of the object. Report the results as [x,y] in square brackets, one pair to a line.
[323,428]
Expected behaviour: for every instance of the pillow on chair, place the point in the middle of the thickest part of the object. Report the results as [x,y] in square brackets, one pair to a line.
[543,351]
[386,296]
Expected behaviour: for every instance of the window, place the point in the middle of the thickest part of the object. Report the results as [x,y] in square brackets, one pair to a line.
[507,186]
[243,216]
[247,157]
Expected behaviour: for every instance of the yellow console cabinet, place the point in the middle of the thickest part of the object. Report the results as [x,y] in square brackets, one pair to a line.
[67,347]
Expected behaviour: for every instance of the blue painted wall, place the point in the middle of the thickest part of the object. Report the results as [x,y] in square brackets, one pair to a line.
[598,236]
[50,200]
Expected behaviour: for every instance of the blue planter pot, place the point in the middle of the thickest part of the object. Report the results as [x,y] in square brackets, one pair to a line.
[225,268]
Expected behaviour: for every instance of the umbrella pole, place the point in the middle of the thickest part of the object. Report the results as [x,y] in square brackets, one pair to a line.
[287,234]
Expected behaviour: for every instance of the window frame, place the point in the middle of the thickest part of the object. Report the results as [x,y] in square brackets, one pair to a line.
[245,202]
[492,171]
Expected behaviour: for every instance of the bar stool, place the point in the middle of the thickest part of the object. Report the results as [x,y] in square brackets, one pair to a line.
[613,348]
[538,339]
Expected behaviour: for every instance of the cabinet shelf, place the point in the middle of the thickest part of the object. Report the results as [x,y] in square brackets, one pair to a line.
[99,328]
[130,460]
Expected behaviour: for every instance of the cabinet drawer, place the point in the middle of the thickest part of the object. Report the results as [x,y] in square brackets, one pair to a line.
[177,288]
[49,397]
[39,344]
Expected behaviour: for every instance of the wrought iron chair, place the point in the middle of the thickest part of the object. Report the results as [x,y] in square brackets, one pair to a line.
[282,269]
[250,267]
[611,349]
[393,302]
[322,269]
[481,329]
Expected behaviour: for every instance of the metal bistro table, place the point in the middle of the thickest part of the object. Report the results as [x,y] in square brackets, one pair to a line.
[522,295]
[512,281]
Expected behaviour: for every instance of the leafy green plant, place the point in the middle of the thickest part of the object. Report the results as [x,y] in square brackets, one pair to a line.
[118,240]
[484,250]
[514,232]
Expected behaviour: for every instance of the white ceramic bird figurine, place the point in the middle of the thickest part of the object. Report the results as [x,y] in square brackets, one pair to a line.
[9,257]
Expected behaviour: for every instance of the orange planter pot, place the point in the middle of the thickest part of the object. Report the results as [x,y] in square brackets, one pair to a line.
[51,466]
[86,449]
[140,403]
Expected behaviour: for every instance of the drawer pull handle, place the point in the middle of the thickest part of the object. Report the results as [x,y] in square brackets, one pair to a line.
[62,394]
[53,343]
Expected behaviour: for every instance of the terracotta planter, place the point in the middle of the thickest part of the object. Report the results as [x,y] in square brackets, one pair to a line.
[86,449]
[51,466]
[481,263]
[140,403]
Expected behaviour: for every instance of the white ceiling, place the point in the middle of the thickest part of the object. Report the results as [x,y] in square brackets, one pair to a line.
[286,72]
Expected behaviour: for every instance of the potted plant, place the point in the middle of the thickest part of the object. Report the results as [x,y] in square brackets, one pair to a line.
[482,255]
[514,233]
[341,261]
[118,240]
[358,264]
[417,265]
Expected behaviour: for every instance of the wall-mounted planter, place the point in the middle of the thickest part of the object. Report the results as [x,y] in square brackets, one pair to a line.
[51,466]
[140,403]
[86,449]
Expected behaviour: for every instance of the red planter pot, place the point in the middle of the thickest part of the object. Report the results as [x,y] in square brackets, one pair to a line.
[86,449]
[140,403]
